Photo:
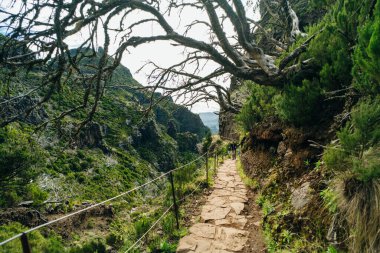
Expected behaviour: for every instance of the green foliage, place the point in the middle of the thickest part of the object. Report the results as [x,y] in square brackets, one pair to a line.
[329,199]
[34,192]
[258,105]
[187,142]
[167,247]
[172,128]
[184,178]
[359,149]
[96,246]
[268,208]
[332,249]
[318,4]
[367,56]
[19,163]
[168,224]
[337,34]
[332,52]
[38,243]
[249,182]
[206,143]
[141,226]
[118,233]
[299,104]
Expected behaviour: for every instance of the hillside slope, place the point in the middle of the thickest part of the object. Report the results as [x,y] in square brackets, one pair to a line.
[47,165]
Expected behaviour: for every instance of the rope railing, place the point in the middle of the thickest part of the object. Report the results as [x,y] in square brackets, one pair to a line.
[162,216]
[23,235]
[149,229]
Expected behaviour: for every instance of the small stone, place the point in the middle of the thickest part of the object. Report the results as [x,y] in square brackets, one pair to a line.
[187,244]
[218,201]
[281,149]
[203,230]
[238,207]
[215,214]
[257,223]
[301,196]
[231,239]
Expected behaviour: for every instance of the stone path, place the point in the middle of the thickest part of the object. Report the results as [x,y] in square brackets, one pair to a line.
[221,229]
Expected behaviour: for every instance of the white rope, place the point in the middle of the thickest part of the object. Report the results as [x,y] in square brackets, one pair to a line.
[100,203]
[154,224]
[182,199]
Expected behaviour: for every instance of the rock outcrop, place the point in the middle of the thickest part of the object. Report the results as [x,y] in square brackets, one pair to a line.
[91,136]
[19,106]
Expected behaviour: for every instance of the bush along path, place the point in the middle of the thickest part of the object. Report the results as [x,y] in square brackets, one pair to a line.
[222,224]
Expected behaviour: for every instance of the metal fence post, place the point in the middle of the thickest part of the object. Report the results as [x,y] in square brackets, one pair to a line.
[25,244]
[174,199]
[207,169]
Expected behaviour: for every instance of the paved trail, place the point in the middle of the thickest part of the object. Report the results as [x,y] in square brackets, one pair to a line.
[221,229]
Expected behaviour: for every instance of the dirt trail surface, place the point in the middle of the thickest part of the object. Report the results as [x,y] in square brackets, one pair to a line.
[223,221]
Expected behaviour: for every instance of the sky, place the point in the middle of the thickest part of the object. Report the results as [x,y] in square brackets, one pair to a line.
[162,53]
[158,52]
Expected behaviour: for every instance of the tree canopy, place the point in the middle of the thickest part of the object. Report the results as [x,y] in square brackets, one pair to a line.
[237,45]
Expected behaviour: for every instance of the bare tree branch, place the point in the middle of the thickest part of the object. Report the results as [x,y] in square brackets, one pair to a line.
[37,33]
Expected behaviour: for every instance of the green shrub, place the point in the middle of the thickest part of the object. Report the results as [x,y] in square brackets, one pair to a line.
[329,199]
[141,226]
[267,207]
[168,224]
[331,249]
[187,142]
[335,39]
[38,243]
[258,105]
[167,247]
[358,151]
[97,246]
[19,164]
[206,142]
[300,104]
[118,233]
[332,53]
[367,56]
[356,160]
[35,193]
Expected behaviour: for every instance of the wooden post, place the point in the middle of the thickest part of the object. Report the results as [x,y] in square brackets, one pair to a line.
[25,244]
[207,169]
[215,155]
[174,199]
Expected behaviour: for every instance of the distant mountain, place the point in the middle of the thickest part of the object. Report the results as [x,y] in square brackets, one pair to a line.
[211,120]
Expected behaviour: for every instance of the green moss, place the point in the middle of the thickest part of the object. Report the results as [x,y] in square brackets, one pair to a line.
[250,182]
